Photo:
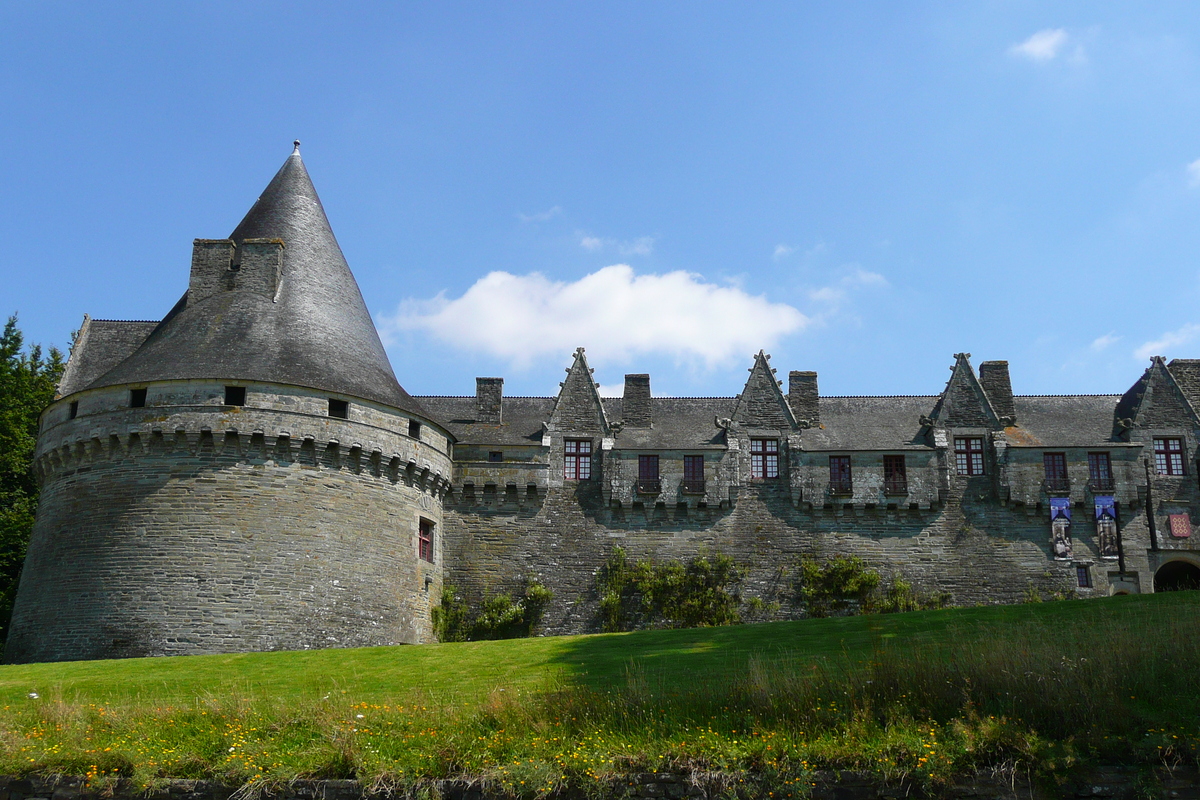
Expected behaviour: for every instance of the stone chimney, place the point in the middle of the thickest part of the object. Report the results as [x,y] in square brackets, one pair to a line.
[993,377]
[489,399]
[803,396]
[259,265]
[636,405]
[211,263]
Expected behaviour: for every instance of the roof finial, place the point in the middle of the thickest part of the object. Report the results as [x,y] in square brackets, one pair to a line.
[296,145]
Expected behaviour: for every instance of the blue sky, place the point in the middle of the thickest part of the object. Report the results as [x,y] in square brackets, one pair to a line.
[862,189]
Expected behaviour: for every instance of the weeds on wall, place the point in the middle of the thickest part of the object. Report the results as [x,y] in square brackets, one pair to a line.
[845,584]
[498,617]
[699,593]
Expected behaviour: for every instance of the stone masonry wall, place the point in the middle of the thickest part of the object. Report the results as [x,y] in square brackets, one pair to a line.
[183,529]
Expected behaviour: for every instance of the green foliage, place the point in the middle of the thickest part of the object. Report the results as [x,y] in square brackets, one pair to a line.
[846,583]
[700,593]
[28,380]
[499,616]
[835,585]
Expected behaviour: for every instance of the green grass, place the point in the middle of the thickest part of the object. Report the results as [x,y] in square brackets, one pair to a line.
[919,696]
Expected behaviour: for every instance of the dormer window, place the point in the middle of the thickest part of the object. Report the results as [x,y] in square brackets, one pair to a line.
[577,459]
[968,455]
[235,395]
[764,458]
[339,409]
[1168,456]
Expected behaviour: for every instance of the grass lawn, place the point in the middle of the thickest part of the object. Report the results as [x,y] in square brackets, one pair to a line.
[919,695]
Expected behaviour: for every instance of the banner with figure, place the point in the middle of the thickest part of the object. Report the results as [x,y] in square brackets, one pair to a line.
[1106,526]
[1060,527]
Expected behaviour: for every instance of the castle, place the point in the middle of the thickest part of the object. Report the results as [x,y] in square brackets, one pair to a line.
[248,474]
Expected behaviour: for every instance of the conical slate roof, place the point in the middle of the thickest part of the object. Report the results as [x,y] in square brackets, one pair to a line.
[315,333]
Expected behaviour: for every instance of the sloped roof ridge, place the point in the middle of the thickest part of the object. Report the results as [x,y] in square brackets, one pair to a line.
[878,396]
[1092,394]
[139,321]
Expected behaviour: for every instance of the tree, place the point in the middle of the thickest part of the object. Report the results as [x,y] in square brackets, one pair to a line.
[27,384]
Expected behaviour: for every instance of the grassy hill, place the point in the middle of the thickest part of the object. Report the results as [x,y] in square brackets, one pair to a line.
[920,695]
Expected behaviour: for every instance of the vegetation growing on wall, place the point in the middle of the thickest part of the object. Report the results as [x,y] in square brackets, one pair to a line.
[847,584]
[699,593]
[498,617]
[28,380]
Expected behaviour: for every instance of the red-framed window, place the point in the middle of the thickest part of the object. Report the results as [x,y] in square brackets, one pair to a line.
[425,540]
[764,458]
[1055,465]
[577,459]
[839,475]
[1100,472]
[895,476]
[648,468]
[693,474]
[1168,456]
[968,455]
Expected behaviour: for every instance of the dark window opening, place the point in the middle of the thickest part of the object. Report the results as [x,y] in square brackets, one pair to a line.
[1083,576]
[577,459]
[764,458]
[1168,456]
[693,474]
[1056,472]
[1100,472]
[425,540]
[339,409]
[968,455]
[648,482]
[235,395]
[496,456]
[839,475]
[74,409]
[895,477]
[137,398]
[414,429]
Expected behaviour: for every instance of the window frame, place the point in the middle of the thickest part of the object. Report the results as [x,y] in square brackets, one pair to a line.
[764,459]
[339,409]
[495,456]
[1100,462]
[1169,460]
[841,475]
[577,459]
[1054,470]
[425,533]
[1083,576]
[648,475]
[969,460]
[895,481]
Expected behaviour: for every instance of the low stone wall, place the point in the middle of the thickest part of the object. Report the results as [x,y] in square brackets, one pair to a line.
[1115,783]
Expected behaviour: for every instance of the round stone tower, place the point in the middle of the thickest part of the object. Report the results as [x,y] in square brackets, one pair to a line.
[246,474]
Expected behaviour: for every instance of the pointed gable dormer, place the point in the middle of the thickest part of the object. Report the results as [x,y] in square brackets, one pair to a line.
[1157,400]
[762,404]
[578,409]
[963,403]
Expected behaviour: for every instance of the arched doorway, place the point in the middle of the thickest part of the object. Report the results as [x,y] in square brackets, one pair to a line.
[1176,576]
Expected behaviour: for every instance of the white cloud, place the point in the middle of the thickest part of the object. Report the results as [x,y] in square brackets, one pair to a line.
[1193,173]
[541,216]
[1103,342]
[641,246]
[856,278]
[782,251]
[613,312]
[1044,45]
[1160,346]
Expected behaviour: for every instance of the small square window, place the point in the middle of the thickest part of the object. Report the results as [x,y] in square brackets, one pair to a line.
[414,429]
[496,456]
[235,395]
[425,539]
[74,411]
[339,409]
[137,398]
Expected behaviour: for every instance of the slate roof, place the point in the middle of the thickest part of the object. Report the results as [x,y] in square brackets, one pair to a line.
[100,346]
[870,423]
[522,419]
[317,333]
[1065,421]
[679,423]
